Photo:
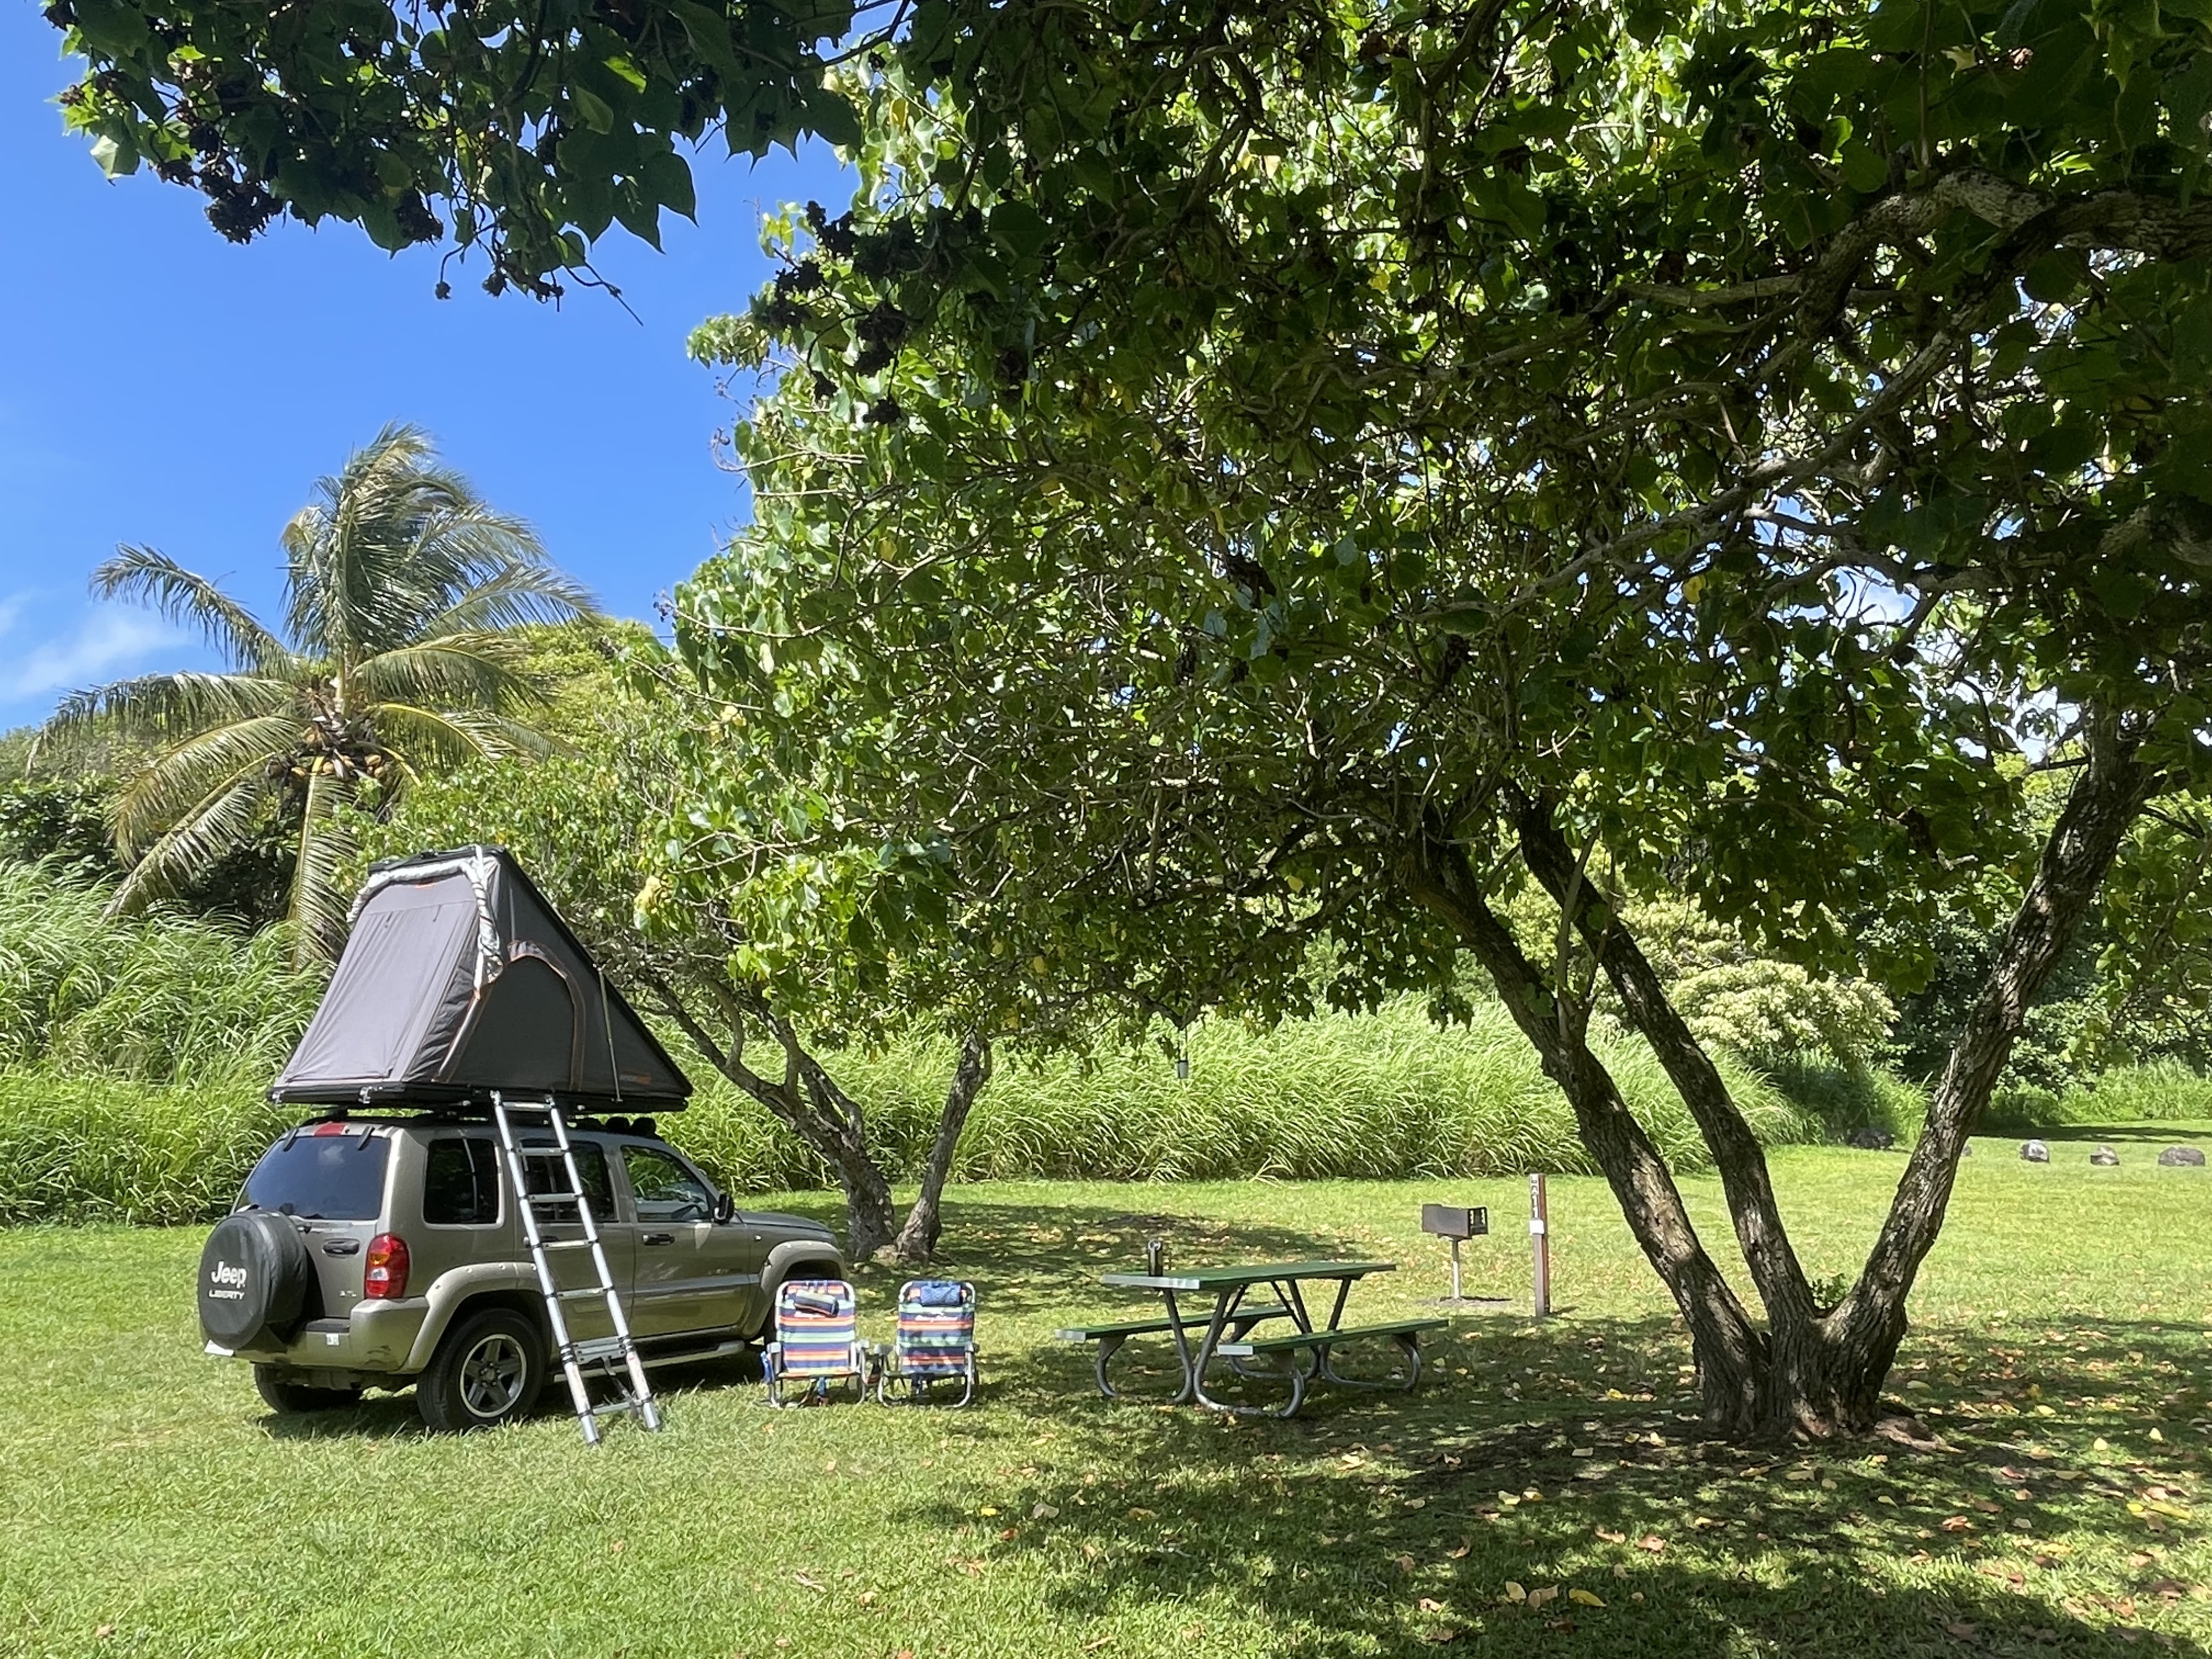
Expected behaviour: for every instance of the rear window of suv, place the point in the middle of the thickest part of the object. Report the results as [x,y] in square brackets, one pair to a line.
[460,1182]
[321,1177]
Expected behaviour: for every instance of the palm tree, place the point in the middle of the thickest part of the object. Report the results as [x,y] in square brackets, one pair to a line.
[397,659]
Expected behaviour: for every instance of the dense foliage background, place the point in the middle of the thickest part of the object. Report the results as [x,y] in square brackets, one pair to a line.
[135,1050]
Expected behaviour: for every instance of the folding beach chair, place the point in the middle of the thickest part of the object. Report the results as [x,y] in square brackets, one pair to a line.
[936,1343]
[818,1343]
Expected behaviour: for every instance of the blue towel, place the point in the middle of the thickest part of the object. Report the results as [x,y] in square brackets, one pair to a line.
[936,1293]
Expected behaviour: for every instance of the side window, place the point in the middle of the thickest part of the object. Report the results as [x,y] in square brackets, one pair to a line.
[460,1182]
[546,1175]
[662,1188]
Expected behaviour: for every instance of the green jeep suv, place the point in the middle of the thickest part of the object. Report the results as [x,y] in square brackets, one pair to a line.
[380,1252]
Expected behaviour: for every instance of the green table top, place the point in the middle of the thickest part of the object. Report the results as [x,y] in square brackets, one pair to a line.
[1231,1278]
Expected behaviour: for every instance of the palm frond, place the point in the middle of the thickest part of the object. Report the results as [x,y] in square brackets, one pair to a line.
[156,579]
[510,595]
[180,779]
[318,908]
[389,543]
[163,707]
[458,670]
[424,740]
[221,820]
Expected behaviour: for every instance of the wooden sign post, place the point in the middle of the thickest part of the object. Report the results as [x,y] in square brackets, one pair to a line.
[1540,1238]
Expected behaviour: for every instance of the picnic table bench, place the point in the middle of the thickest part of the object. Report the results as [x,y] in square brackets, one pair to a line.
[1296,1356]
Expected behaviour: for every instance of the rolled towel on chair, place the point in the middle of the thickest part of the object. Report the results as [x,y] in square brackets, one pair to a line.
[937,1294]
[827,1297]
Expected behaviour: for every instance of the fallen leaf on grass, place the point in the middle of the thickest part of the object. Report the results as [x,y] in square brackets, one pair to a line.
[1956,1524]
[1652,1542]
[1143,1515]
[1460,1554]
[1612,1537]
[1514,1592]
[1584,1598]
[1430,1604]
[1440,1634]
[1962,1629]
[1537,1598]
[988,1508]
[810,1584]
[1044,1512]
[1406,1564]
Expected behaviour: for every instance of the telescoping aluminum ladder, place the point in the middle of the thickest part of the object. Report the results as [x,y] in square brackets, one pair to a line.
[614,1356]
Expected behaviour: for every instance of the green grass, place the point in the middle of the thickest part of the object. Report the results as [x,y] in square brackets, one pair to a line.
[2058,1347]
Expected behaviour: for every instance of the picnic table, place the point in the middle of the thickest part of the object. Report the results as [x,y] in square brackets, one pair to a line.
[1297,1355]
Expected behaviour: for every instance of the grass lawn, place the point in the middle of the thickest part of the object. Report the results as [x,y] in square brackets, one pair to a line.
[1545,1491]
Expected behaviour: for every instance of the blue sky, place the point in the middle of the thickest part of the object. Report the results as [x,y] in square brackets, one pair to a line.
[159,386]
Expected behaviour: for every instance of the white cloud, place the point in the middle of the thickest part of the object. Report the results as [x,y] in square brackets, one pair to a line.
[104,641]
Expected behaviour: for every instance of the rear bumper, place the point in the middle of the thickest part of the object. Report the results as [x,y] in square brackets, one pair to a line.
[377,1337]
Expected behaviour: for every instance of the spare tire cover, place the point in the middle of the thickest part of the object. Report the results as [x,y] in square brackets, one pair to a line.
[254,1279]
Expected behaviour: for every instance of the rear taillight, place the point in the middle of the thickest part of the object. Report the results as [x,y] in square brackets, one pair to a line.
[387,1277]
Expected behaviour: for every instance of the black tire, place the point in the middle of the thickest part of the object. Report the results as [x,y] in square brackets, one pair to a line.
[294,1399]
[489,1370]
[255,1278]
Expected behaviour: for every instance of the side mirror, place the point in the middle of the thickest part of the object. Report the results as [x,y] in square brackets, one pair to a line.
[725,1208]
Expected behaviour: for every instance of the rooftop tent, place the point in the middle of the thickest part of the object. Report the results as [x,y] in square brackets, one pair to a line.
[459,978]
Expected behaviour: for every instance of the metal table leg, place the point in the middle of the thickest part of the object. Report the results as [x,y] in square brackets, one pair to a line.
[1294,1373]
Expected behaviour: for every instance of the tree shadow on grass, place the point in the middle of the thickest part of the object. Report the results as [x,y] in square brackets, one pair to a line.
[1390,1523]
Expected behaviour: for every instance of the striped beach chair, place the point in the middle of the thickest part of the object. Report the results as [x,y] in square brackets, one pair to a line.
[935,1343]
[818,1343]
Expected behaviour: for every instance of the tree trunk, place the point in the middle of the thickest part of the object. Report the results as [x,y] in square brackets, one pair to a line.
[1813,1374]
[1727,1349]
[917,1240]
[2108,795]
[1737,1155]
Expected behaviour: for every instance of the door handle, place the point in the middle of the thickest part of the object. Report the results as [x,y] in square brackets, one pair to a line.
[656,1238]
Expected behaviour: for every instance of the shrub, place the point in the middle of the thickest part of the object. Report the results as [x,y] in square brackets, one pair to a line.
[159,998]
[1842,1098]
[2161,1091]
[114,1149]
[1380,1095]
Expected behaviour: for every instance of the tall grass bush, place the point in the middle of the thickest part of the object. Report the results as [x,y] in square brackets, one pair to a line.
[1842,1098]
[1380,1095]
[106,1148]
[158,997]
[2162,1092]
